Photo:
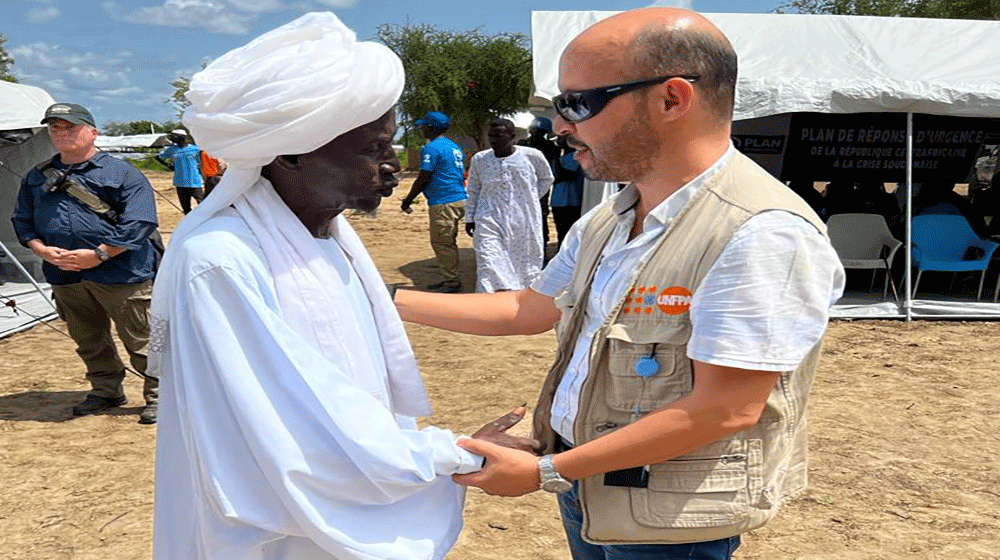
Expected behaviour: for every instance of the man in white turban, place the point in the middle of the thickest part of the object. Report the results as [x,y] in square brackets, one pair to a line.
[289,388]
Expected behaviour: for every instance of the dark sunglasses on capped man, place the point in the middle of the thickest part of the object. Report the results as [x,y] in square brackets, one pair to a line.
[576,106]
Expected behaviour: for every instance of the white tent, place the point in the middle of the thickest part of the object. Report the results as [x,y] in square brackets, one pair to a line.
[24,142]
[131,143]
[836,64]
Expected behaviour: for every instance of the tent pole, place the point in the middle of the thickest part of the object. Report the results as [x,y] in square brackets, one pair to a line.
[907,303]
[24,271]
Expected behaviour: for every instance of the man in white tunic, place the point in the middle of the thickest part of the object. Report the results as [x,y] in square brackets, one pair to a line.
[290,391]
[502,213]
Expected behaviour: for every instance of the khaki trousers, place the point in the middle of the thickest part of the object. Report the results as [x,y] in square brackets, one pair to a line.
[89,308]
[445,221]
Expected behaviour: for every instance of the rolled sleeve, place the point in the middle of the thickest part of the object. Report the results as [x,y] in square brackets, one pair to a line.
[23,218]
[765,302]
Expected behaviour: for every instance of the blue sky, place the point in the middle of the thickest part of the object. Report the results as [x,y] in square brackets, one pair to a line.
[118,57]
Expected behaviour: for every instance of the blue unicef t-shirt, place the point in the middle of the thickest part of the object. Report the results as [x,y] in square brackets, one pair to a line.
[186,159]
[443,158]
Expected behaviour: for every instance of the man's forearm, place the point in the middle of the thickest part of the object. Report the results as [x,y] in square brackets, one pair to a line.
[725,401]
[169,164]
[111,250]
[130,235]
[501,313]
[416,189]
[419,184]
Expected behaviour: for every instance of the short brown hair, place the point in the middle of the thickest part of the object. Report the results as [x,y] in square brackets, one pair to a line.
[662,51]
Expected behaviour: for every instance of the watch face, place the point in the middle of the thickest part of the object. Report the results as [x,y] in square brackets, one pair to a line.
[557,485]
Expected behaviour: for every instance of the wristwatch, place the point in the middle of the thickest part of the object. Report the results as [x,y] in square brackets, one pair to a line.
[551,481]
[102,255]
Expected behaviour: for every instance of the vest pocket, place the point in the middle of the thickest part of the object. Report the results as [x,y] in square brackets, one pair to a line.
[627,391]
[700,491]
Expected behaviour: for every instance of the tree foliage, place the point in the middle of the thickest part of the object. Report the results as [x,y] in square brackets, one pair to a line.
[6,61]
[945,9]
[180,102]
[470,76]
[181,85]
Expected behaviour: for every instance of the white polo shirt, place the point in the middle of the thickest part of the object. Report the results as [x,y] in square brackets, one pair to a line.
[762,306]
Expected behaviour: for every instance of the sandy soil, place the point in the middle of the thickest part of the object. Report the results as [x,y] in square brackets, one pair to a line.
[904,428]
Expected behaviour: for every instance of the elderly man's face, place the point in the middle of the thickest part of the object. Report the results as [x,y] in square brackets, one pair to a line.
[353,171]
[69,138]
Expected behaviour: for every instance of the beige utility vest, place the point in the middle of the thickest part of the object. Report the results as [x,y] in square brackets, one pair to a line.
[727,487]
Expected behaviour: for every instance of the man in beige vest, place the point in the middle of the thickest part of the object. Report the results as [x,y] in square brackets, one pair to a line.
[690,308]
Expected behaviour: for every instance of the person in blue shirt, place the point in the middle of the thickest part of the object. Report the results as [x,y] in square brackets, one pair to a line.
[538,132]
[184,159]
[100,267]
[567,191]
[442,182]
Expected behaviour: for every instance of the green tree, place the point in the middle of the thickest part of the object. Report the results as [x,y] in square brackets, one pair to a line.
[180,102]
[946,9]
[470,76]
[181,85]
[6,61]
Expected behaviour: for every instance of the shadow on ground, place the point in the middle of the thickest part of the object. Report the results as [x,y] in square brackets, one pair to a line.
[50,406]
[425,272]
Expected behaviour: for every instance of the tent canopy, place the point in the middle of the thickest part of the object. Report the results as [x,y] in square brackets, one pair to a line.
[137,141]
[22,106]
[827,63]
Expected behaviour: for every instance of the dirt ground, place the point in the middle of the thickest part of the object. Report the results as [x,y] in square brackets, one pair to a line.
[904,426]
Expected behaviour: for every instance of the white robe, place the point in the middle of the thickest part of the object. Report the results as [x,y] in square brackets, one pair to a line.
[503,203]
[269,450]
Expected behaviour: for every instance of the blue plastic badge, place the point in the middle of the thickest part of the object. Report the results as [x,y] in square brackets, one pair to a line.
[647,367]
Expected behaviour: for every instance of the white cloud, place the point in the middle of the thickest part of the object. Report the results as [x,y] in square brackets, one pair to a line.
[42,14]
[205,14]
[52,56]
[219,16]
[335,4]
[688,4]
[258,6]
[70,74]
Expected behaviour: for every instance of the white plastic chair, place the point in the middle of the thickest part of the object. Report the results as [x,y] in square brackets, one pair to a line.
[864,241]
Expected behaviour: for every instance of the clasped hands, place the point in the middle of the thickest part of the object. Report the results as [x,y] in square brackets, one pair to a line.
[510,466]
[71,260]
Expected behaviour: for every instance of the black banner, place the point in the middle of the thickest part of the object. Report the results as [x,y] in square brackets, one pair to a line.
[872,146]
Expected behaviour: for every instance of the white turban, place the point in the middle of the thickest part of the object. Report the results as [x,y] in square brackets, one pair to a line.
[290,91]
[287,92]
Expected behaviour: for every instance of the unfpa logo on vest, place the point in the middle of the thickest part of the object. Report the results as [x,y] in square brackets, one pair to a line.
[674,300]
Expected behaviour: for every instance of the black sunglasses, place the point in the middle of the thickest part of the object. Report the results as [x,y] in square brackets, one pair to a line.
[576,106]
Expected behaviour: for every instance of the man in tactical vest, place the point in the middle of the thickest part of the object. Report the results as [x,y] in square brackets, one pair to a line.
[89,216]
[690,308]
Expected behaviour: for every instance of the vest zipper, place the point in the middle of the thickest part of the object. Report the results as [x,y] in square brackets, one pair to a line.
[606,426]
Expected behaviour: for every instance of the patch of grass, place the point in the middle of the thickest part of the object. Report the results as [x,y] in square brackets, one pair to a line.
[149,163]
